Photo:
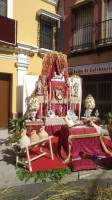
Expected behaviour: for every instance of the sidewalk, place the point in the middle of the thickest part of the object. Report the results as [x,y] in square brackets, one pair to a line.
[9,178]
[8,175]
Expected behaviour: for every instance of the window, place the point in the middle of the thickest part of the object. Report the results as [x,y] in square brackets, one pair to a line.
[109,18]
[3,7]
[104,27]
[48,33]
[82,27]
[48,30]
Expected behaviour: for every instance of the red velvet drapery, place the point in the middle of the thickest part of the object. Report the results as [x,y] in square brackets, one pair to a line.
[54,62]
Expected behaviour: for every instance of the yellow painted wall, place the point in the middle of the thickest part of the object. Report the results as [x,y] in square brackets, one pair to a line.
[25,13]
[35,65]
[8,66]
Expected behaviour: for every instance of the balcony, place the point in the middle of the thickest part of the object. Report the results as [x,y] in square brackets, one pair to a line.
[8,31]
[104,32]
[82,37]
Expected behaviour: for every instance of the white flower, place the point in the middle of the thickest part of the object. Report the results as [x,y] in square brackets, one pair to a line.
[33,103]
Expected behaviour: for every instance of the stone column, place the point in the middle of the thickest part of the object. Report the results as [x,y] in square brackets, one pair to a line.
[22,66]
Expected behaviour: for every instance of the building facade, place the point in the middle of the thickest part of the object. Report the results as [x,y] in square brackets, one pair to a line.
[87,40]
[27,29]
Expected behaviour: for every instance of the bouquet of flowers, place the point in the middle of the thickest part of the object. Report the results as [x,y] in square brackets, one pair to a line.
[33,104]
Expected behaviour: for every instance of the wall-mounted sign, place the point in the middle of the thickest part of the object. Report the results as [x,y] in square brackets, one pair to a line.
[101,68]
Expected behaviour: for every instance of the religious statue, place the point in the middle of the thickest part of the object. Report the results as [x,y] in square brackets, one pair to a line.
[76,89]
[39,85]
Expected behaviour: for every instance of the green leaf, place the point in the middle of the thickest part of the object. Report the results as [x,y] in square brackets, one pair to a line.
[14,128]
[17,128]
[28,176]
[21,174]
[36,176]
[107,118]
[53,174]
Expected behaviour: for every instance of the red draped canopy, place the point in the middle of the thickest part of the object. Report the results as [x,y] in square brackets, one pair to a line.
[53,61]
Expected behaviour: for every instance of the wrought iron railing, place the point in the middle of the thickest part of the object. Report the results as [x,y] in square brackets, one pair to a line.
[103,31]
[82,36]
[48,33]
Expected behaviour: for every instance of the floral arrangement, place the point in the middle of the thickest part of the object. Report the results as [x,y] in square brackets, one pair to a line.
[89,102]
[33,104]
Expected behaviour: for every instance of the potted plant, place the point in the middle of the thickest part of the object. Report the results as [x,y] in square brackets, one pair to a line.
[107,121]
[15,127]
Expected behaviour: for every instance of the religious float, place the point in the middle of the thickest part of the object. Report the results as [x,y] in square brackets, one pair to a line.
[53,106]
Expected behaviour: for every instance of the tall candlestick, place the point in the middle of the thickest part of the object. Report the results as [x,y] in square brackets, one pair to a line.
[50,95]
[60,110]
[41,109]
[75,107]
[67,100]
[53,101]
[47,102]
[70,97]
[72,102]
[50,91]
[47,96]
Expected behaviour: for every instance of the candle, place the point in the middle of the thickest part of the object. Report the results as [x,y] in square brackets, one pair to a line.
[50,94]
[47,101]
[72,90]
[41,108]
[53,101]
[61,109]
[70,97]
[67,100]
[75,107]
[50,90]
[47,97]
[72,101]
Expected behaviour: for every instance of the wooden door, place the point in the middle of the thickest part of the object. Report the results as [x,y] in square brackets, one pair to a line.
[4,102]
